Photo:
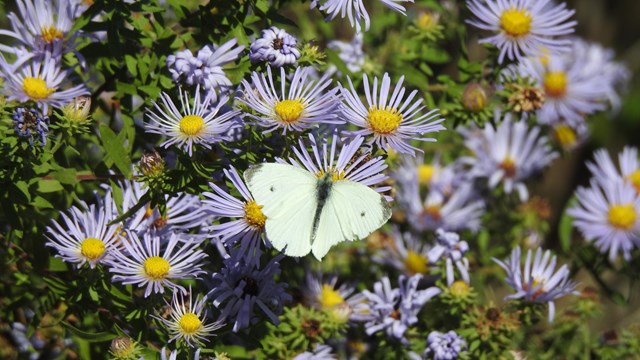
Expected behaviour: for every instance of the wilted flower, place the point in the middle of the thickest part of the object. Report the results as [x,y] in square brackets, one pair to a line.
[275,46]
[151,164]
[444,346]
[125,348]
[31,125]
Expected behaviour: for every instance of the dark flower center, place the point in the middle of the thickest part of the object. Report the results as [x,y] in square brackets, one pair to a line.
[278,43]
[250,286]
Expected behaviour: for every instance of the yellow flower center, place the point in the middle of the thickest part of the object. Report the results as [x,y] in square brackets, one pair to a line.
[427,21]
[565,135]
[509,167]
[434,212]
[254,215]
[634,179]
[415,263]
[189,323]
[516,22]
[191,125]
[425,173]
[156,267]
[622,216]
[330,297]
[36,88]
[459,288]
[555,84]
[289,111]
[384,121]
[92,248]
[50,33]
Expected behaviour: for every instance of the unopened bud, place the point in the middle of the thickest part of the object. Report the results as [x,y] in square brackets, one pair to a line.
[77,111]
[459,289]
[152,164]
[123,347]
[474,97]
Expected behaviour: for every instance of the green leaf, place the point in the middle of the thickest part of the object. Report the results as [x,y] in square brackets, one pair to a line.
[116,152]
[56,264]
[48,186]
[91,337]
[65,176]
[41,203]
[565,232]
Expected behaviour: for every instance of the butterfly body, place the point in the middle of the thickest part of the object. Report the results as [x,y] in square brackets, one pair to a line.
[306,213]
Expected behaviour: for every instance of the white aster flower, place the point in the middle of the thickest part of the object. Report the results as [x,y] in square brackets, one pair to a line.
[509,154]
[539,281]
[86,236]
[303,106]
[388,118]
[147,263]
[41,81]
[608,213]
[198,123]
[187,320]
[523,27]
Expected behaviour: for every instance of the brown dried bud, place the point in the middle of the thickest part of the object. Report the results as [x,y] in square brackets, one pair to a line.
[525,98]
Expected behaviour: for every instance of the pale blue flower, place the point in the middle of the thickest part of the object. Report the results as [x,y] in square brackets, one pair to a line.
[31,125]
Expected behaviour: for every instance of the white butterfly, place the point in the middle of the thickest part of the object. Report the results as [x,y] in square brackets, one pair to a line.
[310,214]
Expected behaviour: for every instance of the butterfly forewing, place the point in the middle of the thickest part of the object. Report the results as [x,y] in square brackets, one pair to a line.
[352,212]
[288,196]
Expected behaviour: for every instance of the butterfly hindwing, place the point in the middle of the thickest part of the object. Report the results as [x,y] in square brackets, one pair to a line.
[288,196]
[352,212]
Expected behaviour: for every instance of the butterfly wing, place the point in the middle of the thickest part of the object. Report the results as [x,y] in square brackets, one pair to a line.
[288,196]
[352,212]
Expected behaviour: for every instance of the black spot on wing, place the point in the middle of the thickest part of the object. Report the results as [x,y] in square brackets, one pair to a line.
[362,214]
[272,189]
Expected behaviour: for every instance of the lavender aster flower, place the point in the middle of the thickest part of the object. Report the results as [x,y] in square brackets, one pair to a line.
[391,121]
[509,154]
[321,352]
[352,163]
[354,10]
[340,301]
[40,81]
[86,236]
[240,287]
[393,310]
[246,220]
[608,213]
[148,264]
[537,282]
[44,27]
[604,170]
[349,52]
[183,212]
[205,69]
[407,254]
[523,27]
[187,320]
[197,123]
[450,248]
[572,89]
[31,125]
[275,46]
[444,346]
[303,106]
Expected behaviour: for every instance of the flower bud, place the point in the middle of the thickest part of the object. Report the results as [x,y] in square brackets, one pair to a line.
[474,97]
